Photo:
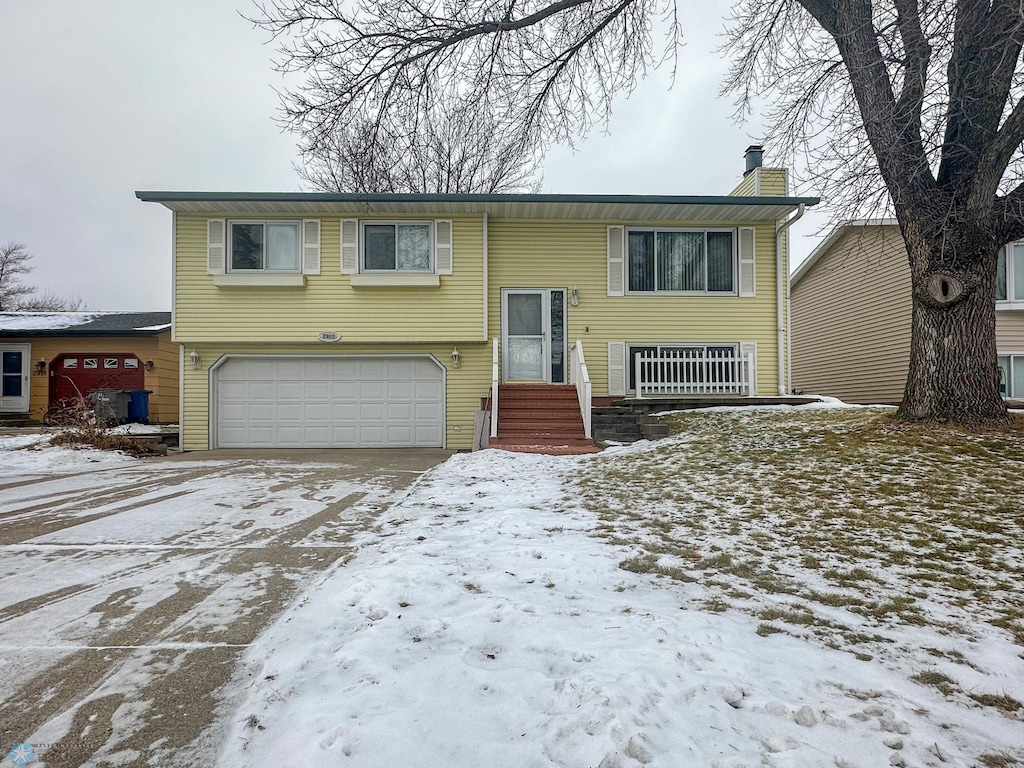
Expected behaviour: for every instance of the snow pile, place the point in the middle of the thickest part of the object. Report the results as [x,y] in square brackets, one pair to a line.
[32,454]
[488,627]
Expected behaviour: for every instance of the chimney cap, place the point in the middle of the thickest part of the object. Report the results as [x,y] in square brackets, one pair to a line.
[753,157]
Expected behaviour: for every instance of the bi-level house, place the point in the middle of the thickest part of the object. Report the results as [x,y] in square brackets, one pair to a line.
[380,320]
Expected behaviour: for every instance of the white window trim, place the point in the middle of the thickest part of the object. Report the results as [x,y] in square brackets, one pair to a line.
[1015,303]
[363,223]
[229,238]
[1009,373]
[272,279]
[705,230]
[384,279]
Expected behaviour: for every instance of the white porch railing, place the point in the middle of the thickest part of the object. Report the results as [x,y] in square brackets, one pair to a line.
[693,372]
[580,376]
[495,381]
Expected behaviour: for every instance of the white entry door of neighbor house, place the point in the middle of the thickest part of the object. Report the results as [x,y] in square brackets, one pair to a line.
[294,401]
[533,334]
[14,365]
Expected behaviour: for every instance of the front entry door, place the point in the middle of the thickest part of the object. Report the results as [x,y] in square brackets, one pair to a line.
[533,320]
[14,360]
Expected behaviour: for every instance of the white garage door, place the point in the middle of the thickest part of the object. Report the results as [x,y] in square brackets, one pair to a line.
[329,402]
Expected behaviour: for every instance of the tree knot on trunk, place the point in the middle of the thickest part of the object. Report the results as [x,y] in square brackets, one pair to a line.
[942,289]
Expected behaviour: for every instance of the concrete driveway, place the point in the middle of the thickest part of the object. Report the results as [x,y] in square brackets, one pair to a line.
[128,593]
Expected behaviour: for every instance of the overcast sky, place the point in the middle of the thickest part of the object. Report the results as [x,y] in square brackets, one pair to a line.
[104,97]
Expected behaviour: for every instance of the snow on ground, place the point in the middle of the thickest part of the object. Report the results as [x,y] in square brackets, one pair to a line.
[492,627]
[31,454]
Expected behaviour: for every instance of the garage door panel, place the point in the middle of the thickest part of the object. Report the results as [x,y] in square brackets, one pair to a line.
[316,370]
[426,433]
[400,390]
[373,370]
[372,412]
[318,390]
[372,390]
[330,402]
[401,412]
[427,391]
[265,369]
[316,413]
[288,412]
[261,413]
[261,390]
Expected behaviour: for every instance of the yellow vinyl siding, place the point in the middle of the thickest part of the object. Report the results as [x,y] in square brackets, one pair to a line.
[328,302]
[465,385]
[162,380]
[763,182]
[774,182]
[546,254]
[747,186]
[851,319]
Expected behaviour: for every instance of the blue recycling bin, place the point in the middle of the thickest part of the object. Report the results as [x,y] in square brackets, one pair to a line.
[138,405]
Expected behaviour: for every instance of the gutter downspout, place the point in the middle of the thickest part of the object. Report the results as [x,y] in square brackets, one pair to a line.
[781,316]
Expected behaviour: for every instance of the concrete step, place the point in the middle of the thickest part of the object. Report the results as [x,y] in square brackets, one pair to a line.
[552,446]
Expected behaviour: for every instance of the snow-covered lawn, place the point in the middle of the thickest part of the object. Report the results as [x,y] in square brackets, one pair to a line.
[772,587]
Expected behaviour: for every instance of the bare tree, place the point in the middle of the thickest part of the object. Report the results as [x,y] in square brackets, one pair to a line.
[454,151]
[18,296]
[913,104]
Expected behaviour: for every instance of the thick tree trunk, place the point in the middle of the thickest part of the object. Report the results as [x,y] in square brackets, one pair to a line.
[954,373]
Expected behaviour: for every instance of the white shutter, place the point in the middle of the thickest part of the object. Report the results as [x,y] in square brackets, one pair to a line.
[443,246]
[311,247]
[215,246]
[349,246]
[616,367]
[750,348]
[616,246]
[746,261]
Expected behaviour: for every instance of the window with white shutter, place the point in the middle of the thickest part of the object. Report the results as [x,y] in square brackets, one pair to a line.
[747,262]
[616,246]
[215,247]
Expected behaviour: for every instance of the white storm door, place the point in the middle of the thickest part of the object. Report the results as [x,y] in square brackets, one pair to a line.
[14,388]
[526,319]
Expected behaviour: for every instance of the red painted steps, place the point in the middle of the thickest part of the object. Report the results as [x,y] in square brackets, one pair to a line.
[540,418]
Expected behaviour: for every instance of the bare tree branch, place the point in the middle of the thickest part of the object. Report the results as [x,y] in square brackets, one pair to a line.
[18,296]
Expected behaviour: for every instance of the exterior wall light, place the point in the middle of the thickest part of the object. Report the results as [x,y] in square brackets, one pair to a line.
[149,365]
[574,296]
[196,360]
[40,367]
[456,358]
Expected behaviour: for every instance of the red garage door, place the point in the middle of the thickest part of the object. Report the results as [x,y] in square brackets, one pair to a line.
[72,374]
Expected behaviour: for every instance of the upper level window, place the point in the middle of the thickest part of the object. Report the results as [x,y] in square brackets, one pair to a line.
[263,246]
[397,247]
[1010,273]
[681,261]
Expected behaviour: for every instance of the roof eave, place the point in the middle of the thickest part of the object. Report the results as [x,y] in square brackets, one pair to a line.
[554,207]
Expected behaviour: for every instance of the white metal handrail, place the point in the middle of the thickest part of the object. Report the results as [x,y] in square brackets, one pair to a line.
[689,372]
[495,381]
[580,376]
